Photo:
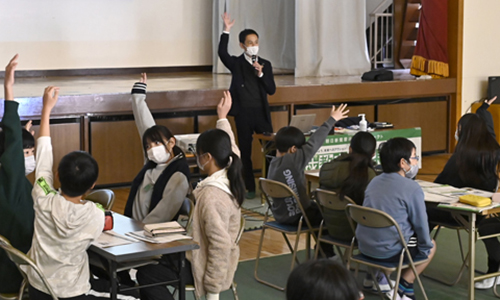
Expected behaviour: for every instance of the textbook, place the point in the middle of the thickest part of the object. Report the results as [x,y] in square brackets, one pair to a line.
[159,229]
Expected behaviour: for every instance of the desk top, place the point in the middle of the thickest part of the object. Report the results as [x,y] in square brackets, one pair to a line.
[139,250]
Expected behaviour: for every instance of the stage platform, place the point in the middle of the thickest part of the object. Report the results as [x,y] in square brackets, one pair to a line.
[94,113]
[103,95]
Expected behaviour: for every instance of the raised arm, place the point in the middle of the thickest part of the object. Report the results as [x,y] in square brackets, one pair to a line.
[222,123]
[12,158]
[224,56]
[309,149]
[44,178]
[142,115]
[484,114]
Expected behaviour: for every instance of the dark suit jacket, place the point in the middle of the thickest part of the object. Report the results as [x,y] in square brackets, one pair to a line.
[235,65]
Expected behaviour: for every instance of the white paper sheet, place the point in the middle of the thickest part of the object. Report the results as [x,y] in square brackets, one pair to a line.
[158,240]
[432,197]
[112,239]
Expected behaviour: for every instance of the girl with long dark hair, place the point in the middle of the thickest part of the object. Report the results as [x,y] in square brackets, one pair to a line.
[216,217]
[475,163]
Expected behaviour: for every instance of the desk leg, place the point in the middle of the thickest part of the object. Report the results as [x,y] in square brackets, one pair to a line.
[182,284]
[472,253]
[114,280]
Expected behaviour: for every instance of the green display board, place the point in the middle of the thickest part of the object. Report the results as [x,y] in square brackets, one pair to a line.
[339,143]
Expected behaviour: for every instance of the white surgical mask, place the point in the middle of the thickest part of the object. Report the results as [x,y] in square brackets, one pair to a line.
[252,50]
[29,164]
[158,154]
[200,166]
[412,172]
[456,135]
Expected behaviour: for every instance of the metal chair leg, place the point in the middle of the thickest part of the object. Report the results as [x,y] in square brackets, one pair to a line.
[235,293]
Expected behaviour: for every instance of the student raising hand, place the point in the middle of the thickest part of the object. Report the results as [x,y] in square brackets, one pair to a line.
[224,105]
[10,78]
[339,113]
[50,96]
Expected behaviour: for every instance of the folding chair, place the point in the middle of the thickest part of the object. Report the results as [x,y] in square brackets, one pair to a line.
[331,201]
[375,218]
[21,259]
[191,287]
[277,190]
[104,197]
[456,227]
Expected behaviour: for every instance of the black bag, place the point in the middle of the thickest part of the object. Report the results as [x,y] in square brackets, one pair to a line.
[378,75]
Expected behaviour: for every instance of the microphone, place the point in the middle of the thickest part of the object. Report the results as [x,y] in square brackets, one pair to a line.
[254,58]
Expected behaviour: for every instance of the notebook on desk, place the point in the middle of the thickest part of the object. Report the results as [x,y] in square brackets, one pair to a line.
[303,122]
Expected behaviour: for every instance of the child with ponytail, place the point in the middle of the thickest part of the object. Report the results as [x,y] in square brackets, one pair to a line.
[216,218]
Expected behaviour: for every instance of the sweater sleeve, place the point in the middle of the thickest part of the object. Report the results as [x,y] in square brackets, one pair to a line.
[417,214]
[142,115]
[44,178]
[484,114]
[173,196]
[304,155]
[223,124]
[224,56]
[12,159]
[214,219]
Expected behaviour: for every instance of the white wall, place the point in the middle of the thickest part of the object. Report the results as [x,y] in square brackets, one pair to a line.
[70,34]
[370,7]
[481,48]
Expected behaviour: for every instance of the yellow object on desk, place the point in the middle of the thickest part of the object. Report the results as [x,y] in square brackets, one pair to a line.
[475,200]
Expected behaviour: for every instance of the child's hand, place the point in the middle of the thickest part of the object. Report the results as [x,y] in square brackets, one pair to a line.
[28,127]
[144,78]
[339,113]
[50,96]
[224,105]
[10,70]
[491,100]
[228,23]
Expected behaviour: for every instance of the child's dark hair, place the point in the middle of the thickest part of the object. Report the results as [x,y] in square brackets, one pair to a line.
[158,133]
[363,147]
[244,33]
[78,172]
[218,144]
[28,139]
[392,151]
[287,137]
[321,279]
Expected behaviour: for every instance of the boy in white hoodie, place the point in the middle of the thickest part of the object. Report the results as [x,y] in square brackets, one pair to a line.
[65,225]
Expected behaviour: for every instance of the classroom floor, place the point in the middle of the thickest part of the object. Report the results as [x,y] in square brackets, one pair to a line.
[274,242]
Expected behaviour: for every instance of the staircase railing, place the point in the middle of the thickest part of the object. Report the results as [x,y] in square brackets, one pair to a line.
[381,36]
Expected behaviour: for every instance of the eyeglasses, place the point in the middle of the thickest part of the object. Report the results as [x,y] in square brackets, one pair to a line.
[417,158]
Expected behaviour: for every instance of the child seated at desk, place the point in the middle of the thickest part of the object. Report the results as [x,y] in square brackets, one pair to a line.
[16,204]
[65,225]
[403,199]
[292,156]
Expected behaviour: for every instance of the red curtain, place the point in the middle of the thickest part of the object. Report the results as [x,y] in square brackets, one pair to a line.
[431,52]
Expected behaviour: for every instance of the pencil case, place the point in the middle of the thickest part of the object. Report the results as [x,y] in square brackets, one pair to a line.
[475,200]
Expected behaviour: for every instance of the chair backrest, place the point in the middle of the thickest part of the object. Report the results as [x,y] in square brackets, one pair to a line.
[331,200]
[240,232]
[21,259]
[104,197]
[191,212]
[273,189]
[371,217]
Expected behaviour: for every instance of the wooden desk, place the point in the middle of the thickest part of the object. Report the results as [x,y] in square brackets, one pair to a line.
[138,251]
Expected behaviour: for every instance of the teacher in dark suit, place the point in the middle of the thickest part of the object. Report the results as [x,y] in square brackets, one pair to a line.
[252,81]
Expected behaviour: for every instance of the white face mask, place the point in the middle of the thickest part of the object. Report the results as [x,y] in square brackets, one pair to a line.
[158,154]
[456,135]
[200,166]
[412,172]
[29,164]
[253,50]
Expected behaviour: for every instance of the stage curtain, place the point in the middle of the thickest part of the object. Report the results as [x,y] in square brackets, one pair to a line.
[330,38]
[273,20]
[431,52]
